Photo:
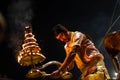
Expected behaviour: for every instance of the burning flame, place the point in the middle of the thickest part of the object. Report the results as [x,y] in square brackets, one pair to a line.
[31,52]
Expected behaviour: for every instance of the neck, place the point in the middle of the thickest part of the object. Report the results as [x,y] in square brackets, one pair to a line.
[69,35]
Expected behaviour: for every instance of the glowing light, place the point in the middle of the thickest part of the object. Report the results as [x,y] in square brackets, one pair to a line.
[115,74]
[31,52]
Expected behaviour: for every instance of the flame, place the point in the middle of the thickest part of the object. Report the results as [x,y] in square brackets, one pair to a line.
[31,52]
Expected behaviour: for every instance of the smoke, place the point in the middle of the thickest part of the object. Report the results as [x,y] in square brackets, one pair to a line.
[19,14]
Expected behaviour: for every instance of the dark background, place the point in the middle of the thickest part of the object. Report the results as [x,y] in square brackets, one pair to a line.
[93,17]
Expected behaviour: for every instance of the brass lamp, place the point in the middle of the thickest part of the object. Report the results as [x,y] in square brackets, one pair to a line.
[30,54]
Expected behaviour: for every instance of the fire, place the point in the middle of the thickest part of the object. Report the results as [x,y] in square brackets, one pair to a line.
[31,52]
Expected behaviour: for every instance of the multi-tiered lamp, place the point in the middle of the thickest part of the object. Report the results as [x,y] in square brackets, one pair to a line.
[31,52]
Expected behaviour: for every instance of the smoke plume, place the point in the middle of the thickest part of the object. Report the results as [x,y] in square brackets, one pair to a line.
[19,14]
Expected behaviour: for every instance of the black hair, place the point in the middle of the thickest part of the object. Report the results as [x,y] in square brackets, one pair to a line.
[59,29]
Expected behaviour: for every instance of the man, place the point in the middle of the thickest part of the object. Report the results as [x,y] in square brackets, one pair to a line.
[81,50]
